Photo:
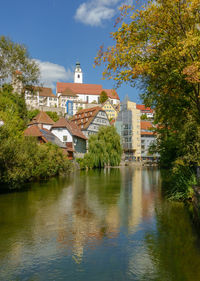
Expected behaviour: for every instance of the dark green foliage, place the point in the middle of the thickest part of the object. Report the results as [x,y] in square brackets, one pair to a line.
[22,159]
[103,97]
[104,149]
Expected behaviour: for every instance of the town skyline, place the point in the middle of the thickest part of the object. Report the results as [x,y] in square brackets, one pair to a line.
[57,34]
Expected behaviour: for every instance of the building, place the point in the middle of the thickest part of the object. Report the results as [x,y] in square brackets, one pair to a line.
[69,133]
[75,95]
[45,136]
[148,138]
[110,109]
[42,120]
[145,110]
[128,127]
[38,97]
[90,119]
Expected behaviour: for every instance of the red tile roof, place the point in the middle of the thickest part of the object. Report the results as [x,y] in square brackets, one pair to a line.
[42,118]
[71,126]
[147,133]
[43,91]
[143,108]
[33,131]
[46,92]
[84,117]
[68,92]
[87,89]
[145,125]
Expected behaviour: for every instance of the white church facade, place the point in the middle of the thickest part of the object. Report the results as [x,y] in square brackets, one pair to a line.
[70,97]
[77,95]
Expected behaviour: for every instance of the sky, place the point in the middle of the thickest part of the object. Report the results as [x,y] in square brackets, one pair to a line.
[58,33]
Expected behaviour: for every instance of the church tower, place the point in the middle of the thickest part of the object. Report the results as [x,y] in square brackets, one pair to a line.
[78,75]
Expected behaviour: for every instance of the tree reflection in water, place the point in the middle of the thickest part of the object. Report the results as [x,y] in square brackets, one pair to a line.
[173,247]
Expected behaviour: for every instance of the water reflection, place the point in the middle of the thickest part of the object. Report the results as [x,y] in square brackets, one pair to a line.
[99,223]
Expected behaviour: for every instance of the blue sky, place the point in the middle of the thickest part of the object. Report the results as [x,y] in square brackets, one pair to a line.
[58,33]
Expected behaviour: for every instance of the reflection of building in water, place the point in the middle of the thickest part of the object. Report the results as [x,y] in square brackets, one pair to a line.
[136,206]
[92,208]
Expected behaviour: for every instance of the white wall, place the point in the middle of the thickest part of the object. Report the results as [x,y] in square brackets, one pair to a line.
[45,126]
[60,132]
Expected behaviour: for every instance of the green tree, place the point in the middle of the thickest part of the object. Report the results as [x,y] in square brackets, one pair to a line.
[21,158]
[103,97]
[14,56]
[32,113]
[53,115]
[104,149]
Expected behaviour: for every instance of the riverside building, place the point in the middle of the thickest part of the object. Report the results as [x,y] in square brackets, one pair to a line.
[128,127]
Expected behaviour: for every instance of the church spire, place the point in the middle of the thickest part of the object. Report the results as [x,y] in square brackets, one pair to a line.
[78,75]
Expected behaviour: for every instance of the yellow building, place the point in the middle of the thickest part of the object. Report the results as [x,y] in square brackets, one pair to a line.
[109,108]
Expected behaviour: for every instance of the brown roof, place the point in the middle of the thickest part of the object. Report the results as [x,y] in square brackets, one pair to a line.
[84,117]
[68,92]
[46,92]
[72,127]
[33,131]
[43,91]
[87,89]
[42,118]
[146,125]
[147,133]
[143,108]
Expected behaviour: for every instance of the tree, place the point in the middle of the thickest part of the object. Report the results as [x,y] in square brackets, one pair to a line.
[53,115]
[158,46]
[104,148]
[32,113]
[14,57]
[21,158]
[103,97]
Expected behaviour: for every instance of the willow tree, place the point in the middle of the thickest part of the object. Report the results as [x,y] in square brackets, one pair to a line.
[157,47]
[104,148]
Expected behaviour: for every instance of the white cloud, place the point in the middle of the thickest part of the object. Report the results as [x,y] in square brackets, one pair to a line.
[94,12]
[52,73]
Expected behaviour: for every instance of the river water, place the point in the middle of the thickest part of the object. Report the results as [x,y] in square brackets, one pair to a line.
[108,225]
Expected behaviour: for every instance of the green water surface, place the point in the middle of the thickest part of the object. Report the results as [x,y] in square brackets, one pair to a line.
[108,225]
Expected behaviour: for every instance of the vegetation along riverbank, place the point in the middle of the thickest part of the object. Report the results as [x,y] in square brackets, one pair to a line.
[157,48]
[21,158]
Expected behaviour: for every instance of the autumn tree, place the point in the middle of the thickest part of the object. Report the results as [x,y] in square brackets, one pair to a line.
[158,46]
[14,57]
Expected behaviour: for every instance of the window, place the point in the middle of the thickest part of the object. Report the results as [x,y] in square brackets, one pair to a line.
[64,138]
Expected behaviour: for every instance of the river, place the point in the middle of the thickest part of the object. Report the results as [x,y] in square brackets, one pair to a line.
[108,225]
